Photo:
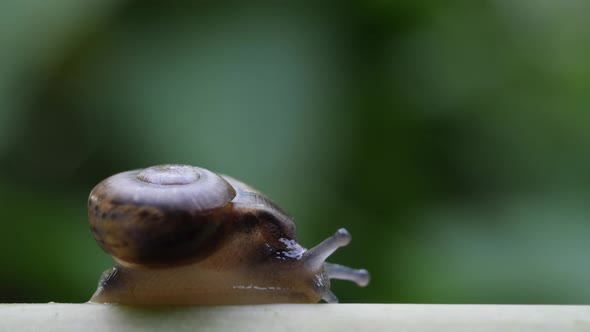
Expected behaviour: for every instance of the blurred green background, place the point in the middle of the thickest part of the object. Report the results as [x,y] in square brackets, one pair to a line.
[450,138]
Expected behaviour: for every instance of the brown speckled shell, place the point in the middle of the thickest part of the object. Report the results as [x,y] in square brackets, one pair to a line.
[149,224]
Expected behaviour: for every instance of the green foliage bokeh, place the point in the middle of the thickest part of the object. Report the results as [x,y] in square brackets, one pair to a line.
[451,139]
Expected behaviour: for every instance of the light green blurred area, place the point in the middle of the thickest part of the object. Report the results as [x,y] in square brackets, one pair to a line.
[449,138]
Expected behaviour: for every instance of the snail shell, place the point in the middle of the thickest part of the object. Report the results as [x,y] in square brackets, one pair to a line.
[184,235]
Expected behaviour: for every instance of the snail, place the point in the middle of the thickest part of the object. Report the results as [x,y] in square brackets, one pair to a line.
[183,235]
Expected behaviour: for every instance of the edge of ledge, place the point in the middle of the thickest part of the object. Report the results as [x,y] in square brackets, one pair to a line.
[288,317]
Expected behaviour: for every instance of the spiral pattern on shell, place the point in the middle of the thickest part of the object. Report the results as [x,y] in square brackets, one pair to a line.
[159,215]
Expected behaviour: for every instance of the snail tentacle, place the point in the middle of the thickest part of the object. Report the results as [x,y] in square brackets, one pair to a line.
[316,256]
[336,271]
[329,297]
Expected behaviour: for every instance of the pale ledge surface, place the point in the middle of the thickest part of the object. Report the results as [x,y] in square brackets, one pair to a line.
[295,317]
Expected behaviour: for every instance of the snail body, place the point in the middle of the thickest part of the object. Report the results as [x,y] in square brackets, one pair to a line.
[183,235]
